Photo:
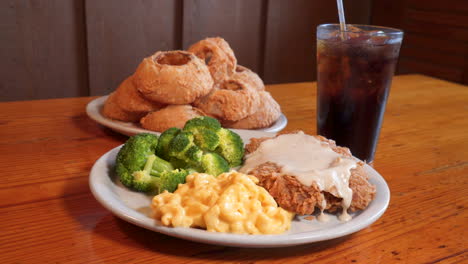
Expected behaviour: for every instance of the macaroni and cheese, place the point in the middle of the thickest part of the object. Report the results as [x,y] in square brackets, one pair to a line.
[232,202]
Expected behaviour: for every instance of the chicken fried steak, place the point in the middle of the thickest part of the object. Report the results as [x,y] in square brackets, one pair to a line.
[293,195]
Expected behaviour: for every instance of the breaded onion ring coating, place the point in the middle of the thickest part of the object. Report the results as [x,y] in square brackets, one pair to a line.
[170,116]
[268,112]
[113,111]
[218,55]
[245,74]
[173,77]
[131,100]
[233,100]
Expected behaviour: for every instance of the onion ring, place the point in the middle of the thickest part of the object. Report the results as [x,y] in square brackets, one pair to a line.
[173,77]
[218,55]
[170,116]
[267,113]
[131,100]
[113,111]
[245,74]
[232,100]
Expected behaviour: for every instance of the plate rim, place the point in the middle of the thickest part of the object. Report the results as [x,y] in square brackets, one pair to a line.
[129,128]
[104,196]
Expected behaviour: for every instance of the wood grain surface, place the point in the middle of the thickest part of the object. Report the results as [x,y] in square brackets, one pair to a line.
[241,23]
[69,48]
[436,35]
[43,49]
[48,214]
[122,33]
[290,42]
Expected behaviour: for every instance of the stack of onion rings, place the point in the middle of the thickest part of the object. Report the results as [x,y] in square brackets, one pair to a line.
[171,87]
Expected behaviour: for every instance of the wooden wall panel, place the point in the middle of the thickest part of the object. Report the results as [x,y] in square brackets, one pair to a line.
[64,48]
[290,50]
[42,49]
[436,36]
[241,23]
[121,33]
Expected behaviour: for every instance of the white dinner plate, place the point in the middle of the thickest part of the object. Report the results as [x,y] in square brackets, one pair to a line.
[134,207]
[94,108]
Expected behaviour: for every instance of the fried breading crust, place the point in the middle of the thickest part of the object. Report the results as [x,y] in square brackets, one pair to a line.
[247,75]
[233,100]
[131,100]
[218,55]
[170,116]
[292,195]
[173,77]
[113,110]
[266,114]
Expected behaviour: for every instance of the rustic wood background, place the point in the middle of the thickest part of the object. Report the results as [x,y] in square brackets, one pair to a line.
[66,48]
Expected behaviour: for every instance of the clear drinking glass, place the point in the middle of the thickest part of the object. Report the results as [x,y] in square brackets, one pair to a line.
[354,74]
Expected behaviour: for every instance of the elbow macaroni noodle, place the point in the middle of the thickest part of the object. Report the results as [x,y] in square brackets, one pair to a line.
[232,202]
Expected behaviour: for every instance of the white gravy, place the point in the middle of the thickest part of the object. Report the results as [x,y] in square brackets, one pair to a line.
[309,160]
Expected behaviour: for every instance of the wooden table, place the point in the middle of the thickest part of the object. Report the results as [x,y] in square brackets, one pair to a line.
[48,215]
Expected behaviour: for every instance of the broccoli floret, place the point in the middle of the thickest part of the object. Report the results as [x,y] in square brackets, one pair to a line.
[204,130]
[210,136]
[231,147]
[133,156]
[149,180]
[207,140]
[178,163]
[169,180]
[161,165]
[162,150]
[143,181]
[205,122]
[183,147]
[214,164]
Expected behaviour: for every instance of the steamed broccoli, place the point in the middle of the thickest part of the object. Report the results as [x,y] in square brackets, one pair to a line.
[169,180]
[161,165]
[203,122]
[146,163]
[210,136]
[133,156]
[138,168]
[214,164]
[162,150]
[231,147]
[143,181]
[205,131]
[151,180]
[183,147]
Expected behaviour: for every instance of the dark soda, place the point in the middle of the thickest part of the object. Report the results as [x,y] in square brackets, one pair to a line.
[355,71]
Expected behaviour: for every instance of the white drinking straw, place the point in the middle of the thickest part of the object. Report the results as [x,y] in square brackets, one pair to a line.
[341,16]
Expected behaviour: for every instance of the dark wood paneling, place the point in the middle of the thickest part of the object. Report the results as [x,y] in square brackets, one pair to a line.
[443,44]
[388,13]
[239,22]
[290,38]
[42,49]
[411,65]
[121,33]
[428,54]
[291,35]
[438,18]
[435,32]
[451,6]
[436,35]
